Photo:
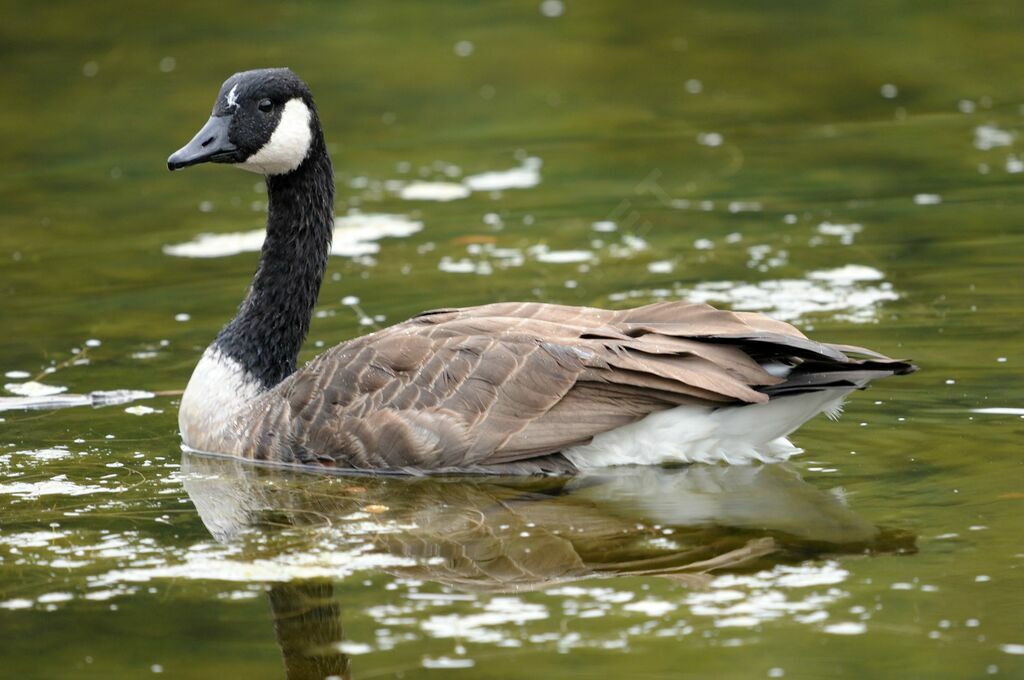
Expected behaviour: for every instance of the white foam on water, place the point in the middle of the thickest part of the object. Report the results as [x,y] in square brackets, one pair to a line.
[847,275]
[844,292]
[526,176]
[218,245]
[802,593]
[355,235]
[34,389]
[434,191]
[45,454]
[141,410]
[541,253]
[846,628]
[464,266]
[845,232]
[31,539]
[217,567]
[480,627]
[989,136]
[999,411]
[56,486]
[446,662]
[652,608]
[353,648]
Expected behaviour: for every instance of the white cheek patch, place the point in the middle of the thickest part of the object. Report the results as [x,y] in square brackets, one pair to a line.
[288,145]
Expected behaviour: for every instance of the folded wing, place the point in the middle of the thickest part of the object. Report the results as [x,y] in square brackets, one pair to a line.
[505,387]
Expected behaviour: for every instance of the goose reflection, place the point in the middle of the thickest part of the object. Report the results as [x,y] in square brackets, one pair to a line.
[515,534]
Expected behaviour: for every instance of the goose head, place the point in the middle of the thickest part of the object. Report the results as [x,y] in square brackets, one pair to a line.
[263,121]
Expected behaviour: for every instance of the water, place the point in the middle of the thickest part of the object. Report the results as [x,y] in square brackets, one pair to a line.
[856,172]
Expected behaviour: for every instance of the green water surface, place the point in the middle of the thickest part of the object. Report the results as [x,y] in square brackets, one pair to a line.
[854,168]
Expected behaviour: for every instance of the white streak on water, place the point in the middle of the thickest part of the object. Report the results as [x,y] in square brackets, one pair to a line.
[59,485]
[846,628]
[447,662]
[847,275]
[61,400]
[34,389]
[845,232]
[802,592]
[480,627]
[526,176]
[851,293]
[542,254]
[217,567]
[652,608]
[141,410]
[433,191]
[355,235]
[988,137]
[999,411]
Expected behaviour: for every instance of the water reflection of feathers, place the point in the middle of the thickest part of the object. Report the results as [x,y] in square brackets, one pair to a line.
[517,534]
[525,533]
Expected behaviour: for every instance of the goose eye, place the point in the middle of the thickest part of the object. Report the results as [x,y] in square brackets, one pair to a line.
[265,105]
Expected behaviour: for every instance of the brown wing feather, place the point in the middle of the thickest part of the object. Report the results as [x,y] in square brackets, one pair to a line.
[510,383]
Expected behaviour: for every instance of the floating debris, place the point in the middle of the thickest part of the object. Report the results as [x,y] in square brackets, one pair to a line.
[57,401]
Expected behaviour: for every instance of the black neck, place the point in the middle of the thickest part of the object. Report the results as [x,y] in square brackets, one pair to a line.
[267,333]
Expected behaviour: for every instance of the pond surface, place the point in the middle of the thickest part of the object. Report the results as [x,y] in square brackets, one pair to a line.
[855,169]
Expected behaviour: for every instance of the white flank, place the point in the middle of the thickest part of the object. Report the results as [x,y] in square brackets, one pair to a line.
[288,145]
[218,391]
[736,435]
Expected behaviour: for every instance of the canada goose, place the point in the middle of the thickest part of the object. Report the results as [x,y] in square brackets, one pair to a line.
[505,388]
